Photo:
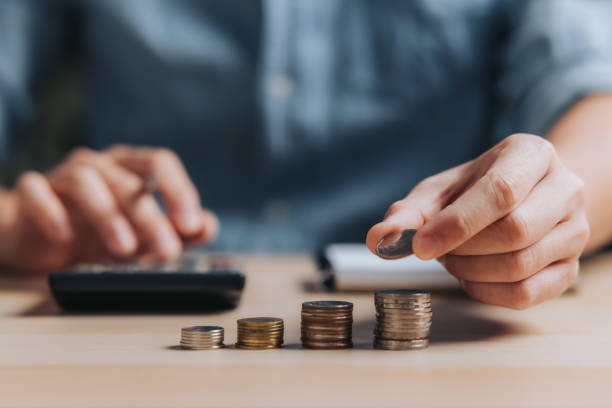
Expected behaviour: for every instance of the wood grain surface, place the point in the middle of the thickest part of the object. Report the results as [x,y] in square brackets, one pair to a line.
[556,354]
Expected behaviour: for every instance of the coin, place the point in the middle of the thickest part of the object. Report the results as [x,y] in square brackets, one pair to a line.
[401,335]
[260,333]
[401,292]
[327,304]
[403,319]
[327,324]
[415,344]
[326,345]
[202,337]
[396,245]
[260,321]
[327,329]
[190,347]
[262,347]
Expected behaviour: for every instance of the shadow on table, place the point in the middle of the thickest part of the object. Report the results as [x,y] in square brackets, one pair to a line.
[451,323]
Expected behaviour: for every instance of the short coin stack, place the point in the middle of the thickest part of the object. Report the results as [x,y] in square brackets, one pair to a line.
[327,324]
[259,333]
[403,319]
[202,337]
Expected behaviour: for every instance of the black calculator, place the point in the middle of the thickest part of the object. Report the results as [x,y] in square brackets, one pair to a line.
[195,281]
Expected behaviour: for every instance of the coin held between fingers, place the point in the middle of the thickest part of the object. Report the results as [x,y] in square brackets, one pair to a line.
[396,245]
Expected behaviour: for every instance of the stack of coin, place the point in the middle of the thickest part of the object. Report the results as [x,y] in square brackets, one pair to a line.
[327,324]
[259,333]
[202,337]
[403,319]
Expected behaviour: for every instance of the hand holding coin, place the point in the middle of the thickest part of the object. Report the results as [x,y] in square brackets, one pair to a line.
[510,224]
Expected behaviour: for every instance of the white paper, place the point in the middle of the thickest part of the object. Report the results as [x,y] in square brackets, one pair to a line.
[356,268]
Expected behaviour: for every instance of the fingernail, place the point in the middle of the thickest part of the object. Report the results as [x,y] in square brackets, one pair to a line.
[190,221]
[123,239]
[428,246]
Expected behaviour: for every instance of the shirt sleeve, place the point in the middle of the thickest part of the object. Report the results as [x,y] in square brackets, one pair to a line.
[31,33]
[556,52]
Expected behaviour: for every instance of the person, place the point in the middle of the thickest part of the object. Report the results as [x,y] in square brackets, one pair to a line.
[299,121]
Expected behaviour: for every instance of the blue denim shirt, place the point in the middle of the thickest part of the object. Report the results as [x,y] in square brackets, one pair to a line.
[300,121]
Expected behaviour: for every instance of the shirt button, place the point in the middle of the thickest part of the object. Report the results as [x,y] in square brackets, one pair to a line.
[281,86]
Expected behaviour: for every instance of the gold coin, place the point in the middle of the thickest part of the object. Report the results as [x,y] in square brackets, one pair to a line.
[260,321]
[263,347]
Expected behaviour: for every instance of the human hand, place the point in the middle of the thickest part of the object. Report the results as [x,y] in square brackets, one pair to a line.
[94,206]
[510,224]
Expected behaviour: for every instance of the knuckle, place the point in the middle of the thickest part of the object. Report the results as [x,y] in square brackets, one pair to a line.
[395,207]
[163,158]
[117,148]
[574,271]
[82,174]
[165,155]
[522,295]
[538,145]
[76,176]
[518,138]
[431,180]
[516,228]
[583,232]
[28,180]
[522,265]
[502,190]
[461,225]
[80,154]
[546,147]
[579,192]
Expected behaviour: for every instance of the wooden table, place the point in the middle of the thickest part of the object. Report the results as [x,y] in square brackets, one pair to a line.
[557,354]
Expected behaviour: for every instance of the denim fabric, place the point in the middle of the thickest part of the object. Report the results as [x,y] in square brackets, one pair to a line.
[300,121]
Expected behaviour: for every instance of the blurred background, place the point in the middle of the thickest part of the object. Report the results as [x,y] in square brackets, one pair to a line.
[300,122]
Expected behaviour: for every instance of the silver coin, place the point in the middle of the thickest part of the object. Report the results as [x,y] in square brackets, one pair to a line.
[203,329]
[404,309]
[401,292]
[409,335]
[202,335]
[401,344]
[327,304]
[326,345]
[396,245]
[403,315]
[403,325]
[187,347]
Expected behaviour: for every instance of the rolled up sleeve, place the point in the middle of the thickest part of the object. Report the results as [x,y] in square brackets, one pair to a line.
[556,52]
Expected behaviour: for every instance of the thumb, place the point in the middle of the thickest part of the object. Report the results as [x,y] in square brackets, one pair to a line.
[412,212]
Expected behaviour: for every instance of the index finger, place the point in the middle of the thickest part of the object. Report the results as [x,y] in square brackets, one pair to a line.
[411,212]
[179,194]
[505,184]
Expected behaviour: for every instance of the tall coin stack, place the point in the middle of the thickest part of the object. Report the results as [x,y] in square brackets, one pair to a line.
[202,337]
[403,319]
[327,324]
[260,333]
